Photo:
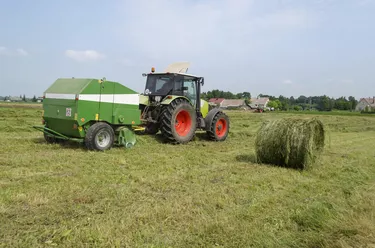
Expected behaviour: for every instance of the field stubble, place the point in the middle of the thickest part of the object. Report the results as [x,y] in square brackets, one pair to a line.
[202,194]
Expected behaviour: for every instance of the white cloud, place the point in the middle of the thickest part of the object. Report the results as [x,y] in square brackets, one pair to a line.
[87,55]
[8,52]
[287,81]
[22,52]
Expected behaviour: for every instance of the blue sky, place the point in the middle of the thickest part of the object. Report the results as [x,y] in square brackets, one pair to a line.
[278,47]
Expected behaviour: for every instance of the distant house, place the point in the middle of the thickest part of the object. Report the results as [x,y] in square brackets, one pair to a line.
[232,103]
[216,101]
[259,102]
[39,99]
[365,102]
[227,103]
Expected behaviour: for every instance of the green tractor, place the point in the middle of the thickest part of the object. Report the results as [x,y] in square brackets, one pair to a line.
[172,104]
[101,113]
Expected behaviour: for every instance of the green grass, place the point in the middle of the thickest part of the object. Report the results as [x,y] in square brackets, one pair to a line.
[202,194]
[331,113]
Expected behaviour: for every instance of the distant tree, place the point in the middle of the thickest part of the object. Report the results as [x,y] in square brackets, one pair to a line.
[24,98]
[273,104]
[292,101]
[353,102]
[34,99]
[302,99]
[246,95]
[297,108]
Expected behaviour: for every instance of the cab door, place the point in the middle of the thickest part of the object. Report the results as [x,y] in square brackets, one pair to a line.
[190,90]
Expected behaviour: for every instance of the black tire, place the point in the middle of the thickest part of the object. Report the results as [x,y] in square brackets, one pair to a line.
[219,128]
[182,110]
[152,128]
[92,141]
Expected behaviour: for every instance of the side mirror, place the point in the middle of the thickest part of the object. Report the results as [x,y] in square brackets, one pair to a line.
[144,74]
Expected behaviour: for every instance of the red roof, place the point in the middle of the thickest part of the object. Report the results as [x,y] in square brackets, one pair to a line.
[370,100]
[216,100]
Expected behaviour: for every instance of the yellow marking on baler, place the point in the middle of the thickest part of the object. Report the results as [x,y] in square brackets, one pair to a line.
[80,128]
[97,117]
[75,116]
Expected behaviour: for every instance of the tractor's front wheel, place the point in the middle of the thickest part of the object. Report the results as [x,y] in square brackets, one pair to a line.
[178,121]
[219,128]
[100,137]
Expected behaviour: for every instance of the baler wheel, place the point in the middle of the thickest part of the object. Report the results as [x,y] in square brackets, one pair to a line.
[219,127]
[100,136]
[178,121]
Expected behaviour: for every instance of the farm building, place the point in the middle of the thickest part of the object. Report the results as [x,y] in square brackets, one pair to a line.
[227,103]
[259,101]
[365,102]
[216,101]
[233,103]
[15,99]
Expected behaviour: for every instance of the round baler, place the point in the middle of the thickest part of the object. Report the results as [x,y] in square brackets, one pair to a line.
[96,112]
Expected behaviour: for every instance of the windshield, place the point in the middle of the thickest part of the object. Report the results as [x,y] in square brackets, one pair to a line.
[159,84]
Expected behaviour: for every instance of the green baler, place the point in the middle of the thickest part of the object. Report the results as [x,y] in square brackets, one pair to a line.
[96,112]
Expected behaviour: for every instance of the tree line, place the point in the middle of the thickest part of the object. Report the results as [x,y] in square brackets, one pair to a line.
[225,94]
[21,98]
[321,103]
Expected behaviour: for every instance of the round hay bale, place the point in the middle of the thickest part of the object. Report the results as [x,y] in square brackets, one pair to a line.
[290,142]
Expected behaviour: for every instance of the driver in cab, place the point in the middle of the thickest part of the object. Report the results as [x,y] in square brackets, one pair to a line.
[166,88]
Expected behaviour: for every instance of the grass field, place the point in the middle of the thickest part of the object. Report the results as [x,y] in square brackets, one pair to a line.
[202,194]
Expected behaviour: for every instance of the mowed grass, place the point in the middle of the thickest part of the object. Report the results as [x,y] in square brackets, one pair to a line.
[203,194]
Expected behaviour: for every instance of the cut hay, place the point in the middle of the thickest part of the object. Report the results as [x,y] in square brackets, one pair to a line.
[290,142]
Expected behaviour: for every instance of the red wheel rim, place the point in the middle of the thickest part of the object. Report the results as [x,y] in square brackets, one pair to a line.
[221,127]
[183,123]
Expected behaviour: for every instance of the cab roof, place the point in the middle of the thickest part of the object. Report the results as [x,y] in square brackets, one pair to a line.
[175,73]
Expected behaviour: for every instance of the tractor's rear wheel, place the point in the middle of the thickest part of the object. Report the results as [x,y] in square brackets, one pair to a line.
[219,128]
[100,137]
[178,121]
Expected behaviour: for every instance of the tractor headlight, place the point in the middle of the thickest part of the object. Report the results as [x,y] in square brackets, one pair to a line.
[157,98]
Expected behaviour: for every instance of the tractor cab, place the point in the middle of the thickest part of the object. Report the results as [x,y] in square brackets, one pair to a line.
[161,85]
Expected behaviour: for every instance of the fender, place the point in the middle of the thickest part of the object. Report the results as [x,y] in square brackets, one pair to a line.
[210,116]
[167,100]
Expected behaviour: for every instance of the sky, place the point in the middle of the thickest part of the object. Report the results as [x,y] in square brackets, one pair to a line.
[276,47]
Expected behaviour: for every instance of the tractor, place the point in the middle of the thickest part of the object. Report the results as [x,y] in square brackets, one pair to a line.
[101,113]
[172,104]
